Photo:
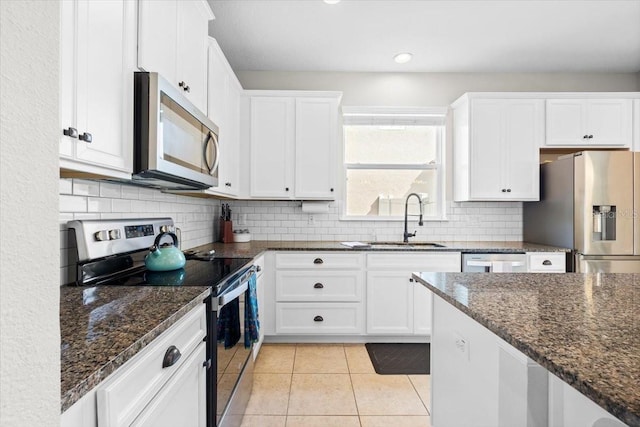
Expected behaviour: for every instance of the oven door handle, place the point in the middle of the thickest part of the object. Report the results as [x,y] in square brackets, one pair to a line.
[226,298]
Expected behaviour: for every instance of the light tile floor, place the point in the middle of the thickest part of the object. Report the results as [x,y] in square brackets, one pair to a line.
[326,385]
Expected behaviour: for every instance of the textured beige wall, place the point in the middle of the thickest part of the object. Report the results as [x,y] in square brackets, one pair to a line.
[29,293]
[434,89]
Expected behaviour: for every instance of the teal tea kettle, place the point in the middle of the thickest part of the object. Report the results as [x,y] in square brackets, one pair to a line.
[165,257]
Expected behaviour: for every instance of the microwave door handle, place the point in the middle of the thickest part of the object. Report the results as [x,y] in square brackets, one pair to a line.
[211,137]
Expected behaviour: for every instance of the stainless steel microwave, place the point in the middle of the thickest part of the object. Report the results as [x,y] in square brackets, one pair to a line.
[175,144]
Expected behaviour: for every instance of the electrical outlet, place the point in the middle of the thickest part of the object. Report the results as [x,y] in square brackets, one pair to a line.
[311,220]
[461,344]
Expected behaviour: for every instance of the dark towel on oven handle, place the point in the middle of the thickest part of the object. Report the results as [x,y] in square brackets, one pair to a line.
[251,320]
[229,324]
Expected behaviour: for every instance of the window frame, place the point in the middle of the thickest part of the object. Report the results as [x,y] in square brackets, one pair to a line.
[435,116]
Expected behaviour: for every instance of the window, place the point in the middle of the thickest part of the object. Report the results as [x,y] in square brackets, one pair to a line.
[389,154]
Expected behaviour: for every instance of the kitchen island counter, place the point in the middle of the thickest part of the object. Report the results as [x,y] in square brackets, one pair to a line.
[102,327]
[583,328]
[256,247]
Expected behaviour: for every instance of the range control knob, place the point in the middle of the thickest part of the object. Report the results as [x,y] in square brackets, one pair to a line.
[166,229]
[101,235]
[114,234]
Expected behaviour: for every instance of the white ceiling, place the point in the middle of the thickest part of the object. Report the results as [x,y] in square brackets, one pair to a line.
[444,36]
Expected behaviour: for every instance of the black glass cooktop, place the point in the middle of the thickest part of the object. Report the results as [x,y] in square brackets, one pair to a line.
[129,271]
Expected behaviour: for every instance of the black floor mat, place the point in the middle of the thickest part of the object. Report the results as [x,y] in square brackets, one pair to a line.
[400,358]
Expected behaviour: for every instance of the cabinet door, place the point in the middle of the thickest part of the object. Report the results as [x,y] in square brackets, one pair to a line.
[193,23]
[422,309]
[487,152]
[158,37]
[523,124]
[182,401]
[316,137]
[68,109]
[566,122]
[230,180]
[609,121]
[272,157]
[389,303]
[106,56]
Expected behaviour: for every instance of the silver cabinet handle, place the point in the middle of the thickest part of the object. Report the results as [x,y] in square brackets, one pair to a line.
[87,137]
[70,132]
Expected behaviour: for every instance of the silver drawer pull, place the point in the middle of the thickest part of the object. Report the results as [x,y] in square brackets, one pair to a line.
[318,261]
[318,319]
[546,262]
[318,286]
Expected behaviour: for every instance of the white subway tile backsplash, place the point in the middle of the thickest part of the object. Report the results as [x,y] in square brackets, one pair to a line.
[108,189]
[86,188]
[66,186]
[73,203]
[96,204]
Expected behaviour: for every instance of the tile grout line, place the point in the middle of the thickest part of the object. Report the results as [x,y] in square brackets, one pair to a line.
[293,368]
[353,390]
[419,396]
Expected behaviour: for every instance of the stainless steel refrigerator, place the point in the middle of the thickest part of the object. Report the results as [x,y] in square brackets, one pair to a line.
[590,202]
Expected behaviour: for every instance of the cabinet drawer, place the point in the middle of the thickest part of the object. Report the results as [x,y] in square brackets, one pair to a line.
[319,260]
[320,318]
[422,261]
[319,286]
[123,395]
[547,262]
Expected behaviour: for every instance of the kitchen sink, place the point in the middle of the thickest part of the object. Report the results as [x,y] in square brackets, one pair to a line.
[390,245]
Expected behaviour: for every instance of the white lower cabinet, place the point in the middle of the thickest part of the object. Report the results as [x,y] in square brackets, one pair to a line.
[319,293]
[319,318]
[144,392]
[546,262]
[395,304]
[182,400]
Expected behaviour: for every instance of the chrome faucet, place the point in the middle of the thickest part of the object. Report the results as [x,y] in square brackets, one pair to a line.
[406,207]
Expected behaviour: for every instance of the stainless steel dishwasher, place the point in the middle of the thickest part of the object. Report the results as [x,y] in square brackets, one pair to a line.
[494,263]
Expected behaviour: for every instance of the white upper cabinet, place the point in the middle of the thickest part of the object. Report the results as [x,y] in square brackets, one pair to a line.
[98,45]
[316,135]
[293,145]
[589,122]
[173,41]
[224,92]
[272,139]
[496,149]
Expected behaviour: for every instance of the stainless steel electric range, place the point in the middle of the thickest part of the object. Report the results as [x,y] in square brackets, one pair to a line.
[112,252]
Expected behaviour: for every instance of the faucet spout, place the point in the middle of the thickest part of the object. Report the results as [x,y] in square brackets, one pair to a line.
[406,208]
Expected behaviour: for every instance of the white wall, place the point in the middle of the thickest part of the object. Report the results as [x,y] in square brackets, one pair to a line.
[29,297]
[196,217]
[434,89]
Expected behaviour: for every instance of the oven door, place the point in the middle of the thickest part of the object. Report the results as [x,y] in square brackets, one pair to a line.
[234,361]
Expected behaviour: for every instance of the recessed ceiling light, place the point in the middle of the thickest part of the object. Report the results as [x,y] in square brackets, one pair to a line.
[331,1]
[401,58]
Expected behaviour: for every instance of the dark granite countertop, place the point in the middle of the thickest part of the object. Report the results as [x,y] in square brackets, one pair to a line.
[254,248]
[584,328]
[102,327]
